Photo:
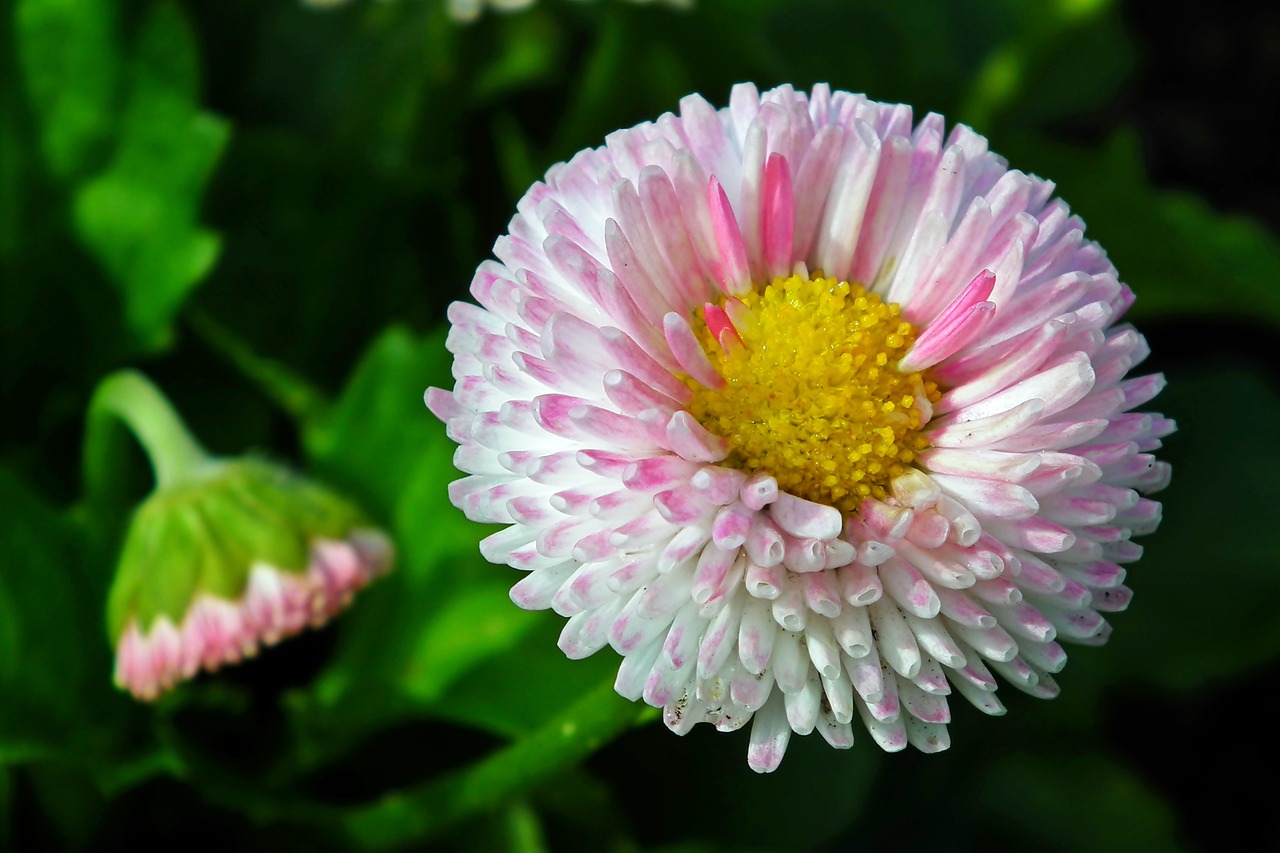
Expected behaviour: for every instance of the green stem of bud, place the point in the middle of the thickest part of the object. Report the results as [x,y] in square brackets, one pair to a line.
[127,398]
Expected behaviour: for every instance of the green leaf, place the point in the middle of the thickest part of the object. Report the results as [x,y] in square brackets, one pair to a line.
[140,216]
[374,439]
[478,622]
[443,610]
[71,66]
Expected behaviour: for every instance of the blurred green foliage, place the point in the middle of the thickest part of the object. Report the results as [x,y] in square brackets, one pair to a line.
[268,207]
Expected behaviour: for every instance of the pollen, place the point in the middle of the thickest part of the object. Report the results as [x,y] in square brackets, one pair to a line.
[812,394]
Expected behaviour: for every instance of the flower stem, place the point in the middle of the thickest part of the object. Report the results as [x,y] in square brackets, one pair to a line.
[127,398]
[291,392]
[405,817]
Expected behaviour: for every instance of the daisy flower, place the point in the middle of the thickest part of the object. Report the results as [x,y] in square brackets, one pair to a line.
[810,411]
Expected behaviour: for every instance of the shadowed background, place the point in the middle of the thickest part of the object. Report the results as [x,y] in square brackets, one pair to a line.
[267,207]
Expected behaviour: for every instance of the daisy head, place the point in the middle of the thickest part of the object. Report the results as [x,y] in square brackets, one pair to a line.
[812,412]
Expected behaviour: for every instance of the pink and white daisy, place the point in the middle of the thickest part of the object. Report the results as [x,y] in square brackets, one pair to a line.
[809,411]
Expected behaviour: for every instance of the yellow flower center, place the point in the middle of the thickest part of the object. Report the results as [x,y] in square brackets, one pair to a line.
[812,396]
